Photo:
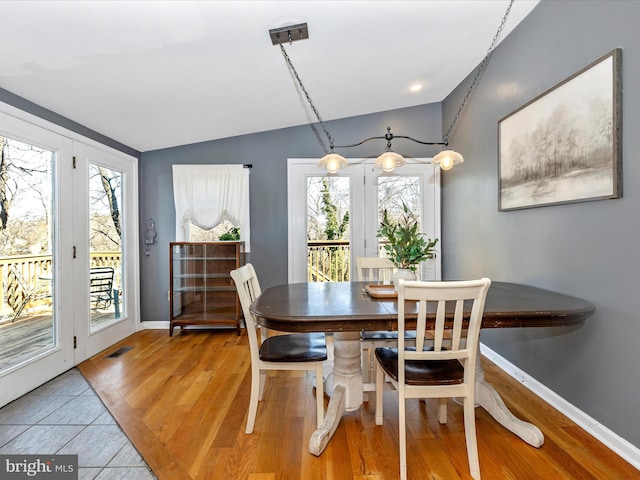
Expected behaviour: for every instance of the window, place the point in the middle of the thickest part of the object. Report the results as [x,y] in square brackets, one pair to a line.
[211,201]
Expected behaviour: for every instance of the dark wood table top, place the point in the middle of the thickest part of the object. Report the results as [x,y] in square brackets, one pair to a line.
[342,306]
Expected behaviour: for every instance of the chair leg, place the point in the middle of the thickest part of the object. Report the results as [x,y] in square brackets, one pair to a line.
[379,394]
[402,436]
[319,394]
[263,380]
[470,435]
[365,361]
[256,391]
[20,308]
[442,411]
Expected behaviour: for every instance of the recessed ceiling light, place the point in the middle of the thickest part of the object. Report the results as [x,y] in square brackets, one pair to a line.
[416,87]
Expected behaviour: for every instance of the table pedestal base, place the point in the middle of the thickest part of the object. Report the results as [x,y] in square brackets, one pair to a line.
[490,400]
[320,438]
[346,391]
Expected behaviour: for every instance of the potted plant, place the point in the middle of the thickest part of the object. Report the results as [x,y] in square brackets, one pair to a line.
[232,234]
[405,245]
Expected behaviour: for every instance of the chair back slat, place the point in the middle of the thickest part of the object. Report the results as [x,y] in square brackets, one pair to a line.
[438,334]
[101,280]
[457,331]
[249,290]
[374,269]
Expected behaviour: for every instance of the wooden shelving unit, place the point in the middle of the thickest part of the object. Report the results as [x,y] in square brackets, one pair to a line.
[202,291]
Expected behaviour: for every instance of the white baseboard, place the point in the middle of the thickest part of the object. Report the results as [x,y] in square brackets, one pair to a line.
[164,325]
[160,325]
[615,442]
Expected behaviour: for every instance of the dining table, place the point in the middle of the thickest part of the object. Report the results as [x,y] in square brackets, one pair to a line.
[344,309]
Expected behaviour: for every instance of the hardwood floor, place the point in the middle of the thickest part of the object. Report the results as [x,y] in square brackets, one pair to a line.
[182,401]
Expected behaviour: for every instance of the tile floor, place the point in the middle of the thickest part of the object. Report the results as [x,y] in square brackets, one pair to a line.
[65,416]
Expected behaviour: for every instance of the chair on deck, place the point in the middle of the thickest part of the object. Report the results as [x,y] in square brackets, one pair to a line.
[446,369]
[101,286]
[20,293]
[299,351]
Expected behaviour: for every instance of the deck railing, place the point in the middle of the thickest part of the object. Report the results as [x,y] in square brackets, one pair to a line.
[328,261]
[35,269]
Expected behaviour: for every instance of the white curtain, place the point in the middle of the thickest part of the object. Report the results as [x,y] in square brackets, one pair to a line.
[205,195]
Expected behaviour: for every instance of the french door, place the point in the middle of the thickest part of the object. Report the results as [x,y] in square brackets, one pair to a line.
[105,233]
[351,202]
[49,204]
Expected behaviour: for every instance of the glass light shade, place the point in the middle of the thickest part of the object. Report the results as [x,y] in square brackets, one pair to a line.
[332,162]
[446,159]
[389,160]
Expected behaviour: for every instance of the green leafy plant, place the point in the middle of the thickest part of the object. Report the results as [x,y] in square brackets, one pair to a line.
[406,246]
[232,234]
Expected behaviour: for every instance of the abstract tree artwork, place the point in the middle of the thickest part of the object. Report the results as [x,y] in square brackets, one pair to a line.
[565,145]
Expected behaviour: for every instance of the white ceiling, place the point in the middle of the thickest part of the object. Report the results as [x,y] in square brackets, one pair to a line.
[155,74]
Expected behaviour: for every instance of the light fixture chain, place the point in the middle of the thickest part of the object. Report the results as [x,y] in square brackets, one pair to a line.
[481,68]
[304,90]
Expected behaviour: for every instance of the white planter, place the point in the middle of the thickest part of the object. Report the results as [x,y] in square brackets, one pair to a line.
[404,273]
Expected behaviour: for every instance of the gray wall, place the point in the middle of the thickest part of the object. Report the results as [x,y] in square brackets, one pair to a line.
[584,249]
[268,153]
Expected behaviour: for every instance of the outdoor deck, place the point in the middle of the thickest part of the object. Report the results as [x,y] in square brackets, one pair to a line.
[31,335]
[26,337]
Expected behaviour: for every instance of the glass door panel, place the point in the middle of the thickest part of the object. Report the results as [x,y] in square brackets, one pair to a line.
[27,321]
[328,233]
[105,246]
[414,185]
[322,224]
[394,194]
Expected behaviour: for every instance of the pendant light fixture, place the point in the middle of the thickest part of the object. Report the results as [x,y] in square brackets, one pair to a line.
[332,162]
[388,160]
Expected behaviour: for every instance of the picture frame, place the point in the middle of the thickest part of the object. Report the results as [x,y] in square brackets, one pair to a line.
[565,145]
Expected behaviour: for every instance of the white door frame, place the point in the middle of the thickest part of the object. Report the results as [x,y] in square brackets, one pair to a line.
[23,126]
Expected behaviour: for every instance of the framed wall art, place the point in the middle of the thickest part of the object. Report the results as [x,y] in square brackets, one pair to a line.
[566,144]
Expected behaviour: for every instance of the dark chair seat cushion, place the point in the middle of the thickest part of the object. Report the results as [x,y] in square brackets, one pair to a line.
[298,347]
[386,335]
[417,372]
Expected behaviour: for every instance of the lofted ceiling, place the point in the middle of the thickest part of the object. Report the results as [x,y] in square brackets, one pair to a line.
[156,74]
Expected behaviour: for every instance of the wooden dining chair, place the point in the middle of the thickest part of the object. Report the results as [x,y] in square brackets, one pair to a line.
[374,270]
[299,351]
[441,368]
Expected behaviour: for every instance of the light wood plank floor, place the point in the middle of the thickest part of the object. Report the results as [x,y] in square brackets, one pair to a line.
[182,400]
